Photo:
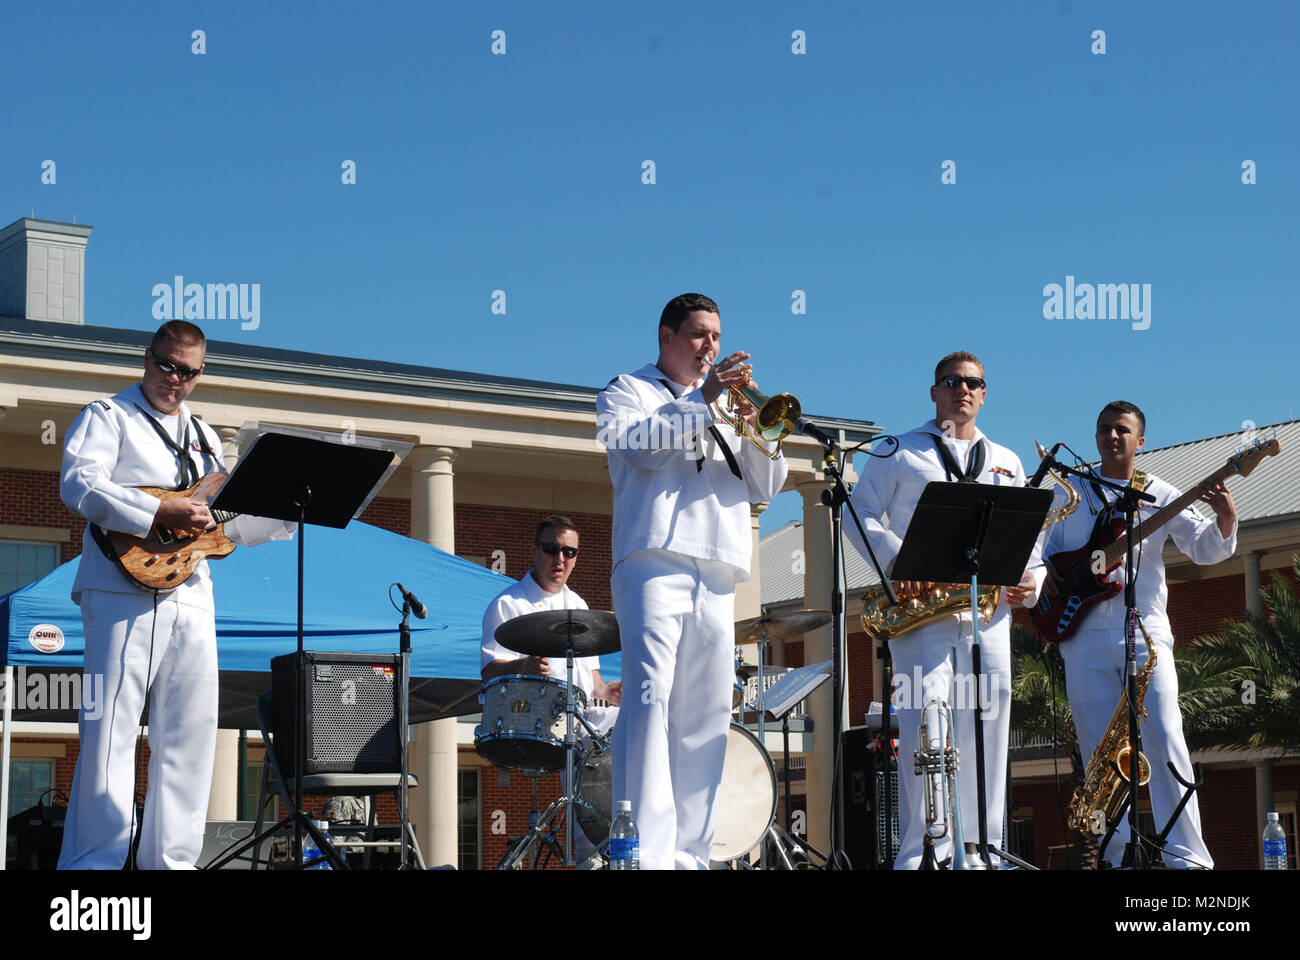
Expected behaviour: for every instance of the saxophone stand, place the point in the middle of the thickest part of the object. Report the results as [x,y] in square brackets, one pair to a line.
[959,532]
[308,477]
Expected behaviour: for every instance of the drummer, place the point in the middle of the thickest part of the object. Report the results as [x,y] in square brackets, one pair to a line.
[545,587]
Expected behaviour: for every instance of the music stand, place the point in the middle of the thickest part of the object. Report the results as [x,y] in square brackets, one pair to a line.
[308,476]
[973,531]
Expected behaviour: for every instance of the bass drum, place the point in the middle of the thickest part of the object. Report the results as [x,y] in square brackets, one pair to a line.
[746,801]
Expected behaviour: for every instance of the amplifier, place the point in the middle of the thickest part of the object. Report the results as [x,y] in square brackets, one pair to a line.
[351,704]
[870,788]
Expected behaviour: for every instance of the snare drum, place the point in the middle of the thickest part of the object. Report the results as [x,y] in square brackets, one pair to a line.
[524,721]
[746,800]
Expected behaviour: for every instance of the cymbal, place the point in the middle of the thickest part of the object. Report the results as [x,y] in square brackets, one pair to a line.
[548,633]
[786,625]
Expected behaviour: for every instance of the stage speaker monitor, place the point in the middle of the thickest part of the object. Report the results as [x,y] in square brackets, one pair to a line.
[351,705]
[868,771]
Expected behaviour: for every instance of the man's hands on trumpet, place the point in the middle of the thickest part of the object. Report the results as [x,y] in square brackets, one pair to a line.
[730,371]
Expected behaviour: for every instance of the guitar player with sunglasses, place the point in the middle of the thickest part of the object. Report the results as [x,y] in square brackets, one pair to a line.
[158,641]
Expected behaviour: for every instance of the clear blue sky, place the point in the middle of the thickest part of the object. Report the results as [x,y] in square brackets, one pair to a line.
[774,172]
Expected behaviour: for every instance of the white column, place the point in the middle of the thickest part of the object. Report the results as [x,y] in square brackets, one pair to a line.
[1263,800]
[223,797]
[1254,580]
[229,452]
[433,755]
[818,580]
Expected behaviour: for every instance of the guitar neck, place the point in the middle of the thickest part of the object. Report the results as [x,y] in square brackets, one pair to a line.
[1115,551]
[221,516]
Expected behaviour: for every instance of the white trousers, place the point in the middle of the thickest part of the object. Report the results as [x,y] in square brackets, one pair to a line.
[676,620]
[1094,680]
[935,661]
[182,733]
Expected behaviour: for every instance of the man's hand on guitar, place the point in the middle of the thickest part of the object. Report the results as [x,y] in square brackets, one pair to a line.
[1220,501]
[183,515]
[1017,595]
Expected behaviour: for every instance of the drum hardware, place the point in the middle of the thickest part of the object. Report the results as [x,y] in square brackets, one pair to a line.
[551,633]
[762,630]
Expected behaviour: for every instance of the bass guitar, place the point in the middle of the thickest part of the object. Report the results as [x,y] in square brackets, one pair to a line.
[1082,573]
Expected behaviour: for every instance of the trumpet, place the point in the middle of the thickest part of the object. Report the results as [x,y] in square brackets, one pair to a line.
[775,421]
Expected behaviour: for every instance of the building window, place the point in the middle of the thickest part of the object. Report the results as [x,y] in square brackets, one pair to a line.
[29,780]
[469,839]
[1020,836]
[24,563]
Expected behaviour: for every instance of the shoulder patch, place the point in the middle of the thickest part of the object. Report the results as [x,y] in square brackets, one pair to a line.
[103,404]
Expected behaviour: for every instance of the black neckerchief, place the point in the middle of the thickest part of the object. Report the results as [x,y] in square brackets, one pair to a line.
[726,450]
[974,461]
[181,450]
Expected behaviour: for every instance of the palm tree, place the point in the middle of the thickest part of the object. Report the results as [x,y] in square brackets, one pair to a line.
[1240,687]
[1039,708]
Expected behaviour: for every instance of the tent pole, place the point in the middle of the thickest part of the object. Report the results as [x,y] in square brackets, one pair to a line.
[6,722]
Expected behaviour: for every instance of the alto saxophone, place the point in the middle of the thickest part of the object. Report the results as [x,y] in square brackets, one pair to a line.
[1108,769]
[881,621]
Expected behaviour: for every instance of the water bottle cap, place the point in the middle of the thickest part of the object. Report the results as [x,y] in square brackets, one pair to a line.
[1272,816]
[624,806]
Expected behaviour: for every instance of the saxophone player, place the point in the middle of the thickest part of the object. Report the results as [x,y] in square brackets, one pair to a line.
[1094,655]
[948,448]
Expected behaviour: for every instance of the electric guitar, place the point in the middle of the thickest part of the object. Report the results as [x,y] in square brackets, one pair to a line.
[165,558]
[1082,573]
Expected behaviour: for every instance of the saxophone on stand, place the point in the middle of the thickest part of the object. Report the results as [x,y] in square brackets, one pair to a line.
[1096,804]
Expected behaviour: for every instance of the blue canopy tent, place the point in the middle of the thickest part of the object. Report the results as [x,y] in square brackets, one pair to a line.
[346,607]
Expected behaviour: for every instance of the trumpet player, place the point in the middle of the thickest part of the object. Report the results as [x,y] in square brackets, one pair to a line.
[681,543]
[948,448]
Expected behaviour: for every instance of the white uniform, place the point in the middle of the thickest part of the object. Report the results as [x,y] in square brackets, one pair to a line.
[135,638]
[923,659]
[525,596]
[1094,658]
[681,542]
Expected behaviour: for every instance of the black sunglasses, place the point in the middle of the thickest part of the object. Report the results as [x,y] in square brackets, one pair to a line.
[167,368]
[551,549]
[951,381]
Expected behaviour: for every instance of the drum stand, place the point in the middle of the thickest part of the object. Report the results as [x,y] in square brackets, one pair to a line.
[542,828]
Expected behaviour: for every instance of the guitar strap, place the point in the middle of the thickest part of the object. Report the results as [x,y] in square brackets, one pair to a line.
[181,450]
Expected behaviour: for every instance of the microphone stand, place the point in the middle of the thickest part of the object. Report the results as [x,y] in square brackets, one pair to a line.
[836,498]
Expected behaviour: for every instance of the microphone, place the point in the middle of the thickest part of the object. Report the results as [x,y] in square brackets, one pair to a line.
[417,608]
[1044,465]
[808,428]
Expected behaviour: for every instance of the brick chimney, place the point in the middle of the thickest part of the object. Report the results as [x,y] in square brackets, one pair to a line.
[43,270]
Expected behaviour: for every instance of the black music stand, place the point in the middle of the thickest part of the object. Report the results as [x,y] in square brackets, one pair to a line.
[307,479]
[974,531]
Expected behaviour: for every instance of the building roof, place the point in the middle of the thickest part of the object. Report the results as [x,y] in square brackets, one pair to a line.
[1269,495]
[113,344]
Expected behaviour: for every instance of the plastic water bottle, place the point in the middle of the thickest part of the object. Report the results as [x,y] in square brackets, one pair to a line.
[1274,844]
[624,845]
[310,851]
